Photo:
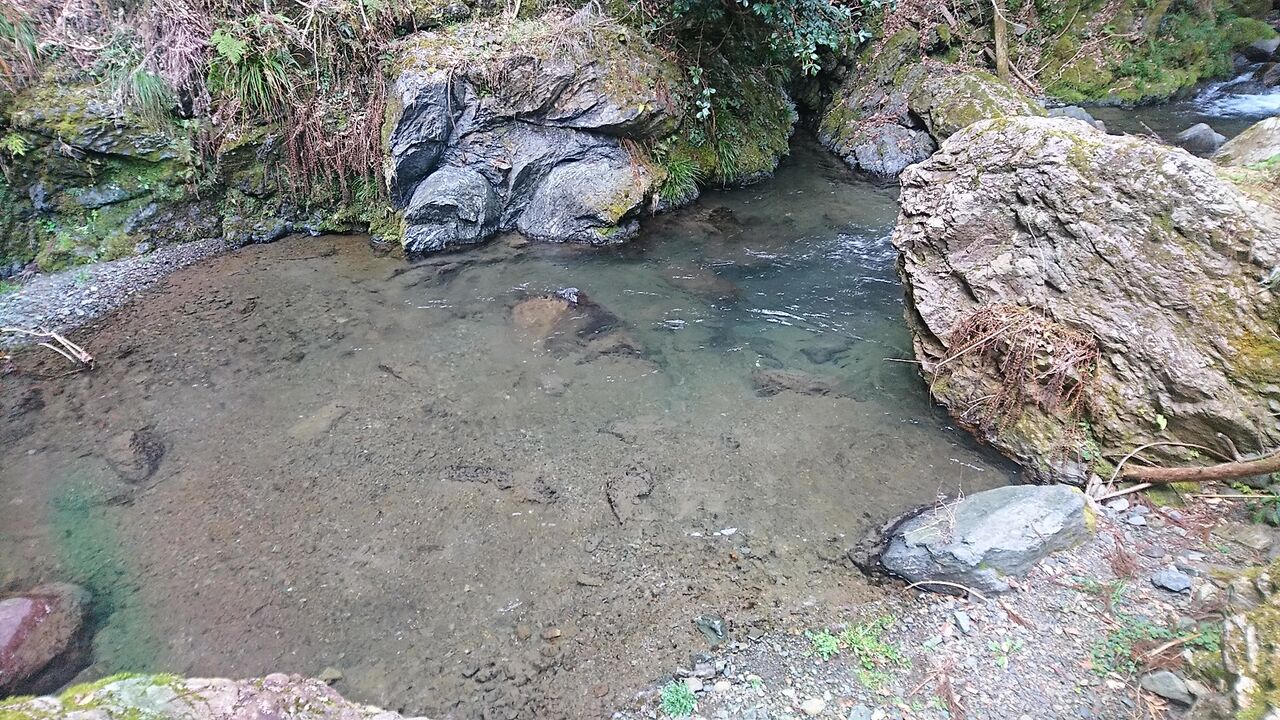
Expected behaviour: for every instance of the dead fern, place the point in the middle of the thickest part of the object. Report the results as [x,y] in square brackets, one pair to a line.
[1036,359]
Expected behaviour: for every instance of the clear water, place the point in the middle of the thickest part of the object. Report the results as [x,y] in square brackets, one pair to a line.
[396,470]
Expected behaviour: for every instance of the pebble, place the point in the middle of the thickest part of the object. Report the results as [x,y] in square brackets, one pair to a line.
[722,686]
[330,675]
[1171,579]
[694,684]
[1136,520]
[963,622]
[1118,505]
[813,706]
[860,712]
[1166,685]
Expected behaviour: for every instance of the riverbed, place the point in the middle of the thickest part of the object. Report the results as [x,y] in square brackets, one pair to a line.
[314,454]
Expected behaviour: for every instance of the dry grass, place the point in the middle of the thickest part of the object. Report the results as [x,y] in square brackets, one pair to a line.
[1036,359]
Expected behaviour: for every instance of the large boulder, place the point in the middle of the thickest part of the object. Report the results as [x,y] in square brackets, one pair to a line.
[895,108]
[165,697]
[980,541]
[37,628]
[1200,139]
[545,123]
[1074,295]
[1258,144]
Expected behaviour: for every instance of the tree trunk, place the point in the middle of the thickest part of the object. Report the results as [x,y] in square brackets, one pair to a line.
[1226,471]
[1000,30]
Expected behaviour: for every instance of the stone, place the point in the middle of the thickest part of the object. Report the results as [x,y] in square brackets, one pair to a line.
[1258,143]
[813,706]
[330,675]
[540,152]
[453,206]
[160,696]
[1172,579]
[1076,112]
[1118,505]
[1167,685]
[768,383]
[987,537]
[1263,50]
[1253,536]
[860,712]
[1200,139]
[1083,240]
[37,628]
[894,110]
[1136,520]
[963,622]
[694,684]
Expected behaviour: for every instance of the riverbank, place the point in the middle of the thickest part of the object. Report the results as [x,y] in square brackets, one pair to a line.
[1086,634]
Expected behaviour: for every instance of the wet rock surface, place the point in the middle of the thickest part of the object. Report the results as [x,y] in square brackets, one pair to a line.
[1046,237]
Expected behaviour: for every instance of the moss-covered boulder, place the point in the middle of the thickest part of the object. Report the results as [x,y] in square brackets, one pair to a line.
[896,106]
[1073,295]
[1247,669]
[949,103]
[166,697]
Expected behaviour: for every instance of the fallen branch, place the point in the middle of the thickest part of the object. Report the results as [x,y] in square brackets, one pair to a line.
[73,353]
[946,583]
[1264,465]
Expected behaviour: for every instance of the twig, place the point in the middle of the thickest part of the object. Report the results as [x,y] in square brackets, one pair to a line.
[945,583]
[72,352]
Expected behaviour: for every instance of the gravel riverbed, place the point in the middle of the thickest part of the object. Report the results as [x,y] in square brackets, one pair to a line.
[69,298]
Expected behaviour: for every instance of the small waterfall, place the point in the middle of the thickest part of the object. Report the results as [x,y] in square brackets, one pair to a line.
[1241,96]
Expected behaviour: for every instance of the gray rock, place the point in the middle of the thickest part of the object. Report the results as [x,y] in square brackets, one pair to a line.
[1259,143]
[1199,139]
[1172,579]
[1136,520]
[420,129]
[1049,223]
[1166,685]
[1076,112]
[893,111]
[1261,50]
[860,712]
[593,200]
[984,538]
[963,622]
[454,206]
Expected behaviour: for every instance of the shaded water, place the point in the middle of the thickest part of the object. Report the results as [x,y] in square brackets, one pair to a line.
[309,454]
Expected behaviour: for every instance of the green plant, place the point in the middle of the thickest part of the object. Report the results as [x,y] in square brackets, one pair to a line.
[147,93]
[875,656]
[7,286]
[14,144]
[683,176]
[1004,650]
[251,65]
[1119,650]
[824,644]
[678,700]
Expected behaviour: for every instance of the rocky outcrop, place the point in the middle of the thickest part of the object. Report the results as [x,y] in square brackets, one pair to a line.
[895,109]
[1258,144]
[533,127]
[1073,295]
[980,541]
[37,628]
[164,697]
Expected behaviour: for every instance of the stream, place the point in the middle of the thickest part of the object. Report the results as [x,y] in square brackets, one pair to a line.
[312,454]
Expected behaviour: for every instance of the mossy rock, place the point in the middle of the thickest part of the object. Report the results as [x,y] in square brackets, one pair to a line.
[950,103]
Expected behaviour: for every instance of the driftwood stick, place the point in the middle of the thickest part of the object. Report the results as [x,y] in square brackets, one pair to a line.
[1264,465]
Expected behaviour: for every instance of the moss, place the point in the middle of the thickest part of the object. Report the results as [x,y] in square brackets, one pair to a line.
[1257,356]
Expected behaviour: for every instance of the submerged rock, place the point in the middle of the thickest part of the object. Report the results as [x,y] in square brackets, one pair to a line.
[164,697]
[1074,294]
[36,629]
[979,541]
